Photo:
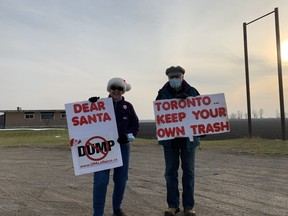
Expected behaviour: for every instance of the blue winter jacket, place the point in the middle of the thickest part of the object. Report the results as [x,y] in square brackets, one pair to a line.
[167,92]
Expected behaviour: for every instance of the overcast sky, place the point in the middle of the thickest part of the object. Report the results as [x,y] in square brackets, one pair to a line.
[54,52]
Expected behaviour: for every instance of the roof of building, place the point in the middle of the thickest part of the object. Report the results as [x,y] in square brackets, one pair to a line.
[50,110]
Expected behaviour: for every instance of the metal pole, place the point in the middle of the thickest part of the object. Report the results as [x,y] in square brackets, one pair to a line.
[282,110]
[247,79]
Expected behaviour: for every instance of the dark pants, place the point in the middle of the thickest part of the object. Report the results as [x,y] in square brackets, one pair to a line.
[101,181]
[173,153]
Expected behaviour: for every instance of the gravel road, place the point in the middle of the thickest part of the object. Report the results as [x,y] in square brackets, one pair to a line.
[41,181]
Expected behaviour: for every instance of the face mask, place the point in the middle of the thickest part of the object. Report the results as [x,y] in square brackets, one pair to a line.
[175,83]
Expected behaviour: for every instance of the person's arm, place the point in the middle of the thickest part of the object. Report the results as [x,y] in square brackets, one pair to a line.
[134,126]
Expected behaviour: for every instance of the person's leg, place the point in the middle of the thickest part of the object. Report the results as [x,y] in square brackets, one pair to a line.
[100,183]
[120,177]
[188,164]
[171,155]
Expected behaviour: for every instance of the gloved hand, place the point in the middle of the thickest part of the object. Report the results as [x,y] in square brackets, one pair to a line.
[130,137]
[122,139]
[182,96]
[93,99]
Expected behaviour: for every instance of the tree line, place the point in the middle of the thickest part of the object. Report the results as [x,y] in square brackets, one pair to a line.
[256,114]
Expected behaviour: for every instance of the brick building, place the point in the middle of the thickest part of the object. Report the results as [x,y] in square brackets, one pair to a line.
[32,118]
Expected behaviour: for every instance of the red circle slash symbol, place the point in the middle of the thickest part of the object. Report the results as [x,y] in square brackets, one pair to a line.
[95,149]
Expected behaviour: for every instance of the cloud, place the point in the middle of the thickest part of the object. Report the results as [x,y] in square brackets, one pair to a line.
[54,52]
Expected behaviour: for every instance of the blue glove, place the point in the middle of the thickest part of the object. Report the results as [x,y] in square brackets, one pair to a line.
[130,137]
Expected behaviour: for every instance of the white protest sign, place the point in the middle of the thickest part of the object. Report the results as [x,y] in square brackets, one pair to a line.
[93,136]
[193,116]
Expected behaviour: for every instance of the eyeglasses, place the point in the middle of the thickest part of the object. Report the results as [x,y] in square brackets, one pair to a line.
[114,88]
[174,76]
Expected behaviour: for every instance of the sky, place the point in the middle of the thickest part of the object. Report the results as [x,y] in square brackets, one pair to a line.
[54,52]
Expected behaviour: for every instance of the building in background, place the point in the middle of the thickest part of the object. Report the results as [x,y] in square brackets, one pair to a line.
[32,118]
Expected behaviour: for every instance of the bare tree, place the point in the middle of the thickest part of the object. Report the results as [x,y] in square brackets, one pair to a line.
[255,113]
[239,114]
[261,111]
[233,116]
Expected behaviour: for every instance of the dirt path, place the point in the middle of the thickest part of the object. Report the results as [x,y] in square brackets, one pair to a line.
[35,181]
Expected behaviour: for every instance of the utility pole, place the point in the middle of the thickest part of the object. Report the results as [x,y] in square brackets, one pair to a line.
[279,65]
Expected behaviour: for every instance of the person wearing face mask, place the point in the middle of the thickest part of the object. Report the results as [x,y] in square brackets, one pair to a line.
[179,148]
[128,127]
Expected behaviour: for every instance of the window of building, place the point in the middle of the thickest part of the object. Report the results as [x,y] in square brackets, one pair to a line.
[29,115]
[62,115]
[47,116]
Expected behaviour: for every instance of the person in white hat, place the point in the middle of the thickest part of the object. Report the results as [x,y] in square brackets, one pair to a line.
[128,127]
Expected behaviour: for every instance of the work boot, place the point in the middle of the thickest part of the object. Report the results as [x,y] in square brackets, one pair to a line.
[119,212]
[189,212]
[171,211]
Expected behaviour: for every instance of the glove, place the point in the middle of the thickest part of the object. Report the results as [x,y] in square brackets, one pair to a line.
[182,96]
[93,99]
[130,137]
[122,139]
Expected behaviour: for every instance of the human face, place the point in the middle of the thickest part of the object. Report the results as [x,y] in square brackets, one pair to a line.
[175,80]
[116,92]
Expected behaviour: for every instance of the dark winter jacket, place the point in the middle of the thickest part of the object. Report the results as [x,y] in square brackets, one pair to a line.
[167,92]
[126,118]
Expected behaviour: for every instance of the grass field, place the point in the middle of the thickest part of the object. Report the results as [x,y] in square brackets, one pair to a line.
[42,138]
[59,139]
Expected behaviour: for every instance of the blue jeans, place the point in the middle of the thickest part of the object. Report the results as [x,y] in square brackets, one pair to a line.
[173,153]
[101,181]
